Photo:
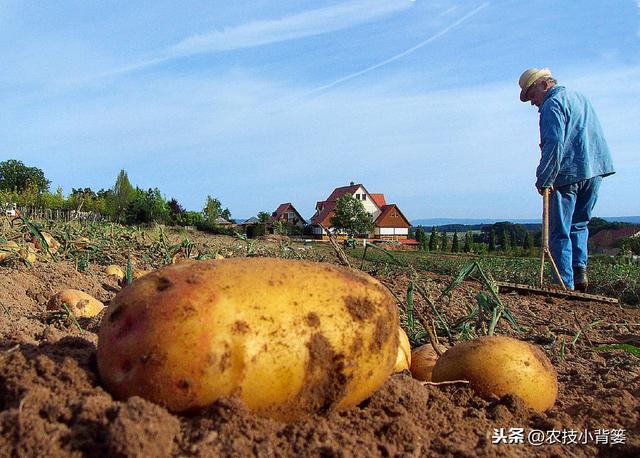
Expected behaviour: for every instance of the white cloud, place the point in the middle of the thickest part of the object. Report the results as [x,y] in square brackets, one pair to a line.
[308,23]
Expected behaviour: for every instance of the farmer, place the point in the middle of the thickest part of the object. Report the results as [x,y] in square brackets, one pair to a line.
[574,159]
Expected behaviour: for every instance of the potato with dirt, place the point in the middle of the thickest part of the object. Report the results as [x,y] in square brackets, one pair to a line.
[81,304]
[501,365]
[289,338]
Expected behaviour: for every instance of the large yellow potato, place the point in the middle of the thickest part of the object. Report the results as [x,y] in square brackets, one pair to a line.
[501,365]
[403,359]
[80,303]
[287,337]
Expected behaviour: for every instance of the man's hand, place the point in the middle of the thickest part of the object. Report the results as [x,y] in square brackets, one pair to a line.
[541,190]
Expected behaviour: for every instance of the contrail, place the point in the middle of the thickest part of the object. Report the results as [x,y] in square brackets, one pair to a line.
[402,54]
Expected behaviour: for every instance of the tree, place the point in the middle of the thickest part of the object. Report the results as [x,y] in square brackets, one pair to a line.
[492,240]
[53,201]
[504,241]
[264,217]
[444,241]
[421,238]
[512,239]
[147,207]
[15,176]
[351,217]
[123,194]
[105,202]
[281,227]
[213,209]
[174,207]
[455,244]
[528,242]
[81,199]
[468,242]
[433,239]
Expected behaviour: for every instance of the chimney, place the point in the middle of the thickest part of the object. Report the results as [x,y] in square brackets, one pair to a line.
[351,184]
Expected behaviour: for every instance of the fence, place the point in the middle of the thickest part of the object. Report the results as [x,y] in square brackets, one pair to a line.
[61,215]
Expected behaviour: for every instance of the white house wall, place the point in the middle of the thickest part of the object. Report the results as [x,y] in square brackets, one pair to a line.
[368,203]
[392,231]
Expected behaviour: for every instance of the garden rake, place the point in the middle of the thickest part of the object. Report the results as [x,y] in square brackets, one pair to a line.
[546,253]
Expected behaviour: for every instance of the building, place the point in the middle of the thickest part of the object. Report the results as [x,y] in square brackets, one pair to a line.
[389,222]
[606,240]
[287,212]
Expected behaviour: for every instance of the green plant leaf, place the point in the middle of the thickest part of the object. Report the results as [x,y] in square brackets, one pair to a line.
[626,347]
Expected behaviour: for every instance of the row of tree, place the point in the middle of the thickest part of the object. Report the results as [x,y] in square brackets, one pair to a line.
[28,187]
[487,240]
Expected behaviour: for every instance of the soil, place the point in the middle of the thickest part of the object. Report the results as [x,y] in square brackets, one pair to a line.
[53,404]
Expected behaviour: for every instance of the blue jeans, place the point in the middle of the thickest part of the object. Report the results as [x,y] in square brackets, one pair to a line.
[570,210]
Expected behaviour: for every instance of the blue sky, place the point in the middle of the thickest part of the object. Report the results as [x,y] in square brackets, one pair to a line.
[263,102]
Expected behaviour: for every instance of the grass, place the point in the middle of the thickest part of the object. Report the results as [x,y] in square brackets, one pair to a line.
[606,277]
[481,319]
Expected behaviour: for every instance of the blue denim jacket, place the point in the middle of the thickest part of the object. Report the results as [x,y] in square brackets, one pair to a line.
[571,139]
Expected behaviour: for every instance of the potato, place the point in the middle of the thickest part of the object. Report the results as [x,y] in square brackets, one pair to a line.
[28,254]
[114,271]
[8,249]
[81,304]
[53,244]
[287,337]
[81,243]
[501,365]
[423,359]
[403,359]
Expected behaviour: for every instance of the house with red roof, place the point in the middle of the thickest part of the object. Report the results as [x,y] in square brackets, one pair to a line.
[287,212]
[605,241]
[390,223]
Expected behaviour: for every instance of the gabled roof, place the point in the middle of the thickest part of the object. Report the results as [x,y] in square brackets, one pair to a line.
[607,237]
[385,215]
[378,199]
[283,208]
[325,215]
[252,220]
[343,190]
[222,221]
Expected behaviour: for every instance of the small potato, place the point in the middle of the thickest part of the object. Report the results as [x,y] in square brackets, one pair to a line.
[289,338]
[8,249]
[114,271]
[501,365]
[81,304]
[403,360]
[53,244]
[423,359]
[81,243]
[28,254]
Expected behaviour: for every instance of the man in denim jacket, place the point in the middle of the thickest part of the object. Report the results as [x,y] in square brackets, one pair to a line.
[574,158]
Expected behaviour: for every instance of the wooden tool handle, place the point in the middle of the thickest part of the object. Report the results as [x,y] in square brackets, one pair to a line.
[545,241]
